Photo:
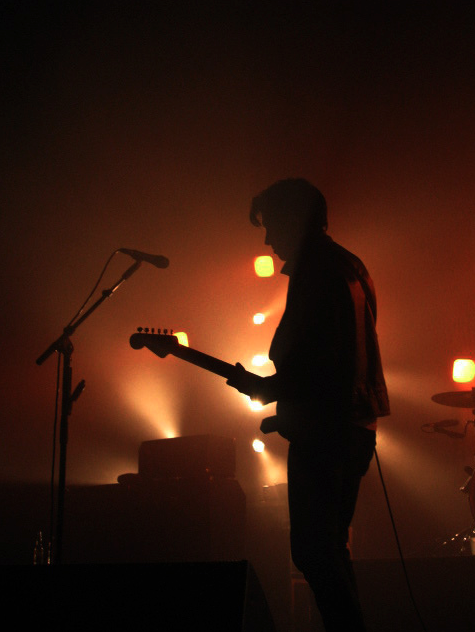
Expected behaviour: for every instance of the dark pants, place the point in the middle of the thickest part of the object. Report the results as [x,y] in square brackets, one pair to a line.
[323,483]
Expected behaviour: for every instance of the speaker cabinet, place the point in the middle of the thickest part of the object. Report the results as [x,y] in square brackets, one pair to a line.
[169,597]
[176,520]
[188,457]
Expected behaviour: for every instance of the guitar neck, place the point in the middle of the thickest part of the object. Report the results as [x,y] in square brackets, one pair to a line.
[205,361]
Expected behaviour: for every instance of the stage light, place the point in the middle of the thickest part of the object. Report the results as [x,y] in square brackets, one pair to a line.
[463,370]
[259,360]
[258,319]
[274,470]
[182,338]
[254,404]
[155,402]
[264,266]
[258,445]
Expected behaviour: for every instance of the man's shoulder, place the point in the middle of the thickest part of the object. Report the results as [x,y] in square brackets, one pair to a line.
[348,263]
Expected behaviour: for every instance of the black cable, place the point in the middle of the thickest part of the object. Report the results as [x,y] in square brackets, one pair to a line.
[81,309]
[401,556]
[53,459]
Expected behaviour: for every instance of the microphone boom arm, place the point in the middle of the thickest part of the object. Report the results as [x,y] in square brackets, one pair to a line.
[58,344]
[64,346]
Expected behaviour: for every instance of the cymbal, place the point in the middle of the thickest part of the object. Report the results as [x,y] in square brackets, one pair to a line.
[456,399]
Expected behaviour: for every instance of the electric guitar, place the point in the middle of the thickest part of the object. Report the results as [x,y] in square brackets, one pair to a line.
[163,344]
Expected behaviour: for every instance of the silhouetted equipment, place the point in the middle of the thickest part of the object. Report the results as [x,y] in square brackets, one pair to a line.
[163,344]
[64,347]
[159,261]
[470,490]
[226,596]
[463,541]
[184,505]
[188,457]
[216,597]
[456,399]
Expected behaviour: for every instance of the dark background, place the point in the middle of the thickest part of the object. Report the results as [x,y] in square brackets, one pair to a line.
[151,126]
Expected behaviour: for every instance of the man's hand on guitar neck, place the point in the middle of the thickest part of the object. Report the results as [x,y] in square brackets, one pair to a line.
[248,383]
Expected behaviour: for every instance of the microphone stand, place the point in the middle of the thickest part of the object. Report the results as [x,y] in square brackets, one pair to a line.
[64,346]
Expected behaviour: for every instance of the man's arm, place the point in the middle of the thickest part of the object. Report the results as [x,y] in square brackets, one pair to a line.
[263,389]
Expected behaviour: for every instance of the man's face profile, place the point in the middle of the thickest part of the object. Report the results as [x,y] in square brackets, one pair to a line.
[283,234]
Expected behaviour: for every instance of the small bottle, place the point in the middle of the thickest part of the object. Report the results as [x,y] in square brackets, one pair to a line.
[38,552]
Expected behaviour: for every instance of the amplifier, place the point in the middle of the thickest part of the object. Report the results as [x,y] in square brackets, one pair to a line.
[188,457]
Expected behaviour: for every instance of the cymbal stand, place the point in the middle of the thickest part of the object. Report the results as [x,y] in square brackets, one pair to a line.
[63,345]
[463,540]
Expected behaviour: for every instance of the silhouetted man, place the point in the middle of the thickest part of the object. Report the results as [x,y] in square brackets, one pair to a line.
[329,387]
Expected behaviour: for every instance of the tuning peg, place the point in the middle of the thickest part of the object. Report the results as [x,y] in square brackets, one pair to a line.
[153,330]
[159,331]
[140,329]
[165,331]
[147,330]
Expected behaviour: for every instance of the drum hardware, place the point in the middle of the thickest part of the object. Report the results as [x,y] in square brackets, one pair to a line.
[465,540]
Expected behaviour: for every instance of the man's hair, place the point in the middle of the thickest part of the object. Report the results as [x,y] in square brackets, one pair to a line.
[294,196]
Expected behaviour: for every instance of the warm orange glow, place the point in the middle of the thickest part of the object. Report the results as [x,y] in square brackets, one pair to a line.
[258,319]
[274,468]
[155,402]
[254,404]
[463,371]
[258,445]
[182,338]
[264,266]
[259,360]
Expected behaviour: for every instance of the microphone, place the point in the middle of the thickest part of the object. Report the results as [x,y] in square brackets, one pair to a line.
[156,260]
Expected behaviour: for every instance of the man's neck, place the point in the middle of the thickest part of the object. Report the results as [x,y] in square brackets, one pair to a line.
[309,241]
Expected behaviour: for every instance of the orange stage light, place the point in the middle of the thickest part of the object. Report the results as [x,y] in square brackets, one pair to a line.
[258,445]
[254,404]
[463,370]
[259,360]
[264,266]
[182,338]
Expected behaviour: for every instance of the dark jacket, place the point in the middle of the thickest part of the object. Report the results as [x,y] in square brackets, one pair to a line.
[325,349]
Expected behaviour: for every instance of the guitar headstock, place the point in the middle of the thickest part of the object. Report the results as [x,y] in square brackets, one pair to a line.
[161,342]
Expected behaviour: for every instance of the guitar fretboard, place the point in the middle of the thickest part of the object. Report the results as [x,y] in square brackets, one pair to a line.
[205,361]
